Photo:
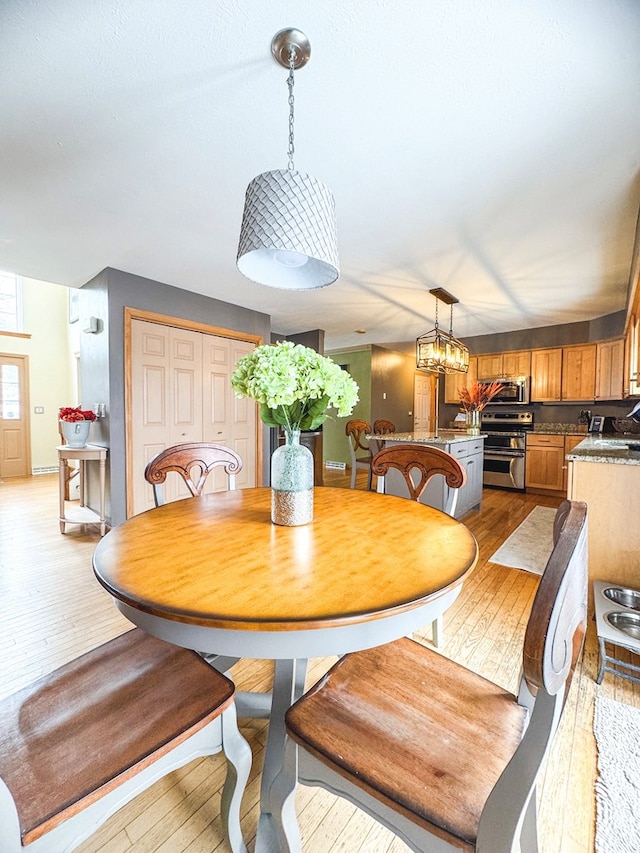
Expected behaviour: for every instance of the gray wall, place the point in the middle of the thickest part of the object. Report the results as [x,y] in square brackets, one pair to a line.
[600,329]
[102,355]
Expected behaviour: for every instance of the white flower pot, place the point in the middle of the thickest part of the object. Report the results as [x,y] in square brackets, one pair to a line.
[75,433]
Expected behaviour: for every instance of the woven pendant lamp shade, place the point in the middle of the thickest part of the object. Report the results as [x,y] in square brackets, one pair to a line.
[288,234]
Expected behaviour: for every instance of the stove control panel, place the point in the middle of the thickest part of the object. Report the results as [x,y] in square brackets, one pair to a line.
[519,420]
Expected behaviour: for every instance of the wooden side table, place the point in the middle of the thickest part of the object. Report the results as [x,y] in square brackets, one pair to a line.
[81,514]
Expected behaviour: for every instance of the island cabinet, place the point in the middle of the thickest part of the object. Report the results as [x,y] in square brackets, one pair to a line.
[579,372]
[453,382]
[610,370]
[469,454]
[546,375]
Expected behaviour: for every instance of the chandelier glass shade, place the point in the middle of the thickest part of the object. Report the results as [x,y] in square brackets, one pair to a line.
[438,351]
[288,234]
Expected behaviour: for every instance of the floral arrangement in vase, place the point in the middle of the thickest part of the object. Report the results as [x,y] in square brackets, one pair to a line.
[474,399]
[295,387]
[75,424]
[71,415]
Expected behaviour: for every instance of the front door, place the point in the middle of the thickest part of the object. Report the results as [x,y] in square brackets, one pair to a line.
[15,447]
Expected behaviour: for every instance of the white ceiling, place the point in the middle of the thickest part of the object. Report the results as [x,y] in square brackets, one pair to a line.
[491,148]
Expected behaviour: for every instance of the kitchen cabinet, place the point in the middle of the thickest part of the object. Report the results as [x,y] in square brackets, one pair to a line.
[453,382]
[516,363]
[579,372]
[546,375]
[570,441]
[609,370]
[489,366]
[545,462]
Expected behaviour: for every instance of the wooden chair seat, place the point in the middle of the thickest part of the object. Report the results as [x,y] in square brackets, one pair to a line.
[444,758]
[91,735]
[456,733]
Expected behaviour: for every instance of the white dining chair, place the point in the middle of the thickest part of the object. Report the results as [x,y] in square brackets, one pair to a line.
[78,744]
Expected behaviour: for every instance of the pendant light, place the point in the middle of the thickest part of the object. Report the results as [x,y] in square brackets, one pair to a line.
[288,233]
[438,351]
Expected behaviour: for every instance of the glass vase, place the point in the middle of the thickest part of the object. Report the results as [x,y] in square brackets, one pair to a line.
[75,433]
[292,482]
[473,421]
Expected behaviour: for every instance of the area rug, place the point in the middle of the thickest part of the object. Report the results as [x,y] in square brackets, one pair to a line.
[617,731]
[530,544]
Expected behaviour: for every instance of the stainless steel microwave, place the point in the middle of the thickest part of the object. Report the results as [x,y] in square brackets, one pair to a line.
[516,390]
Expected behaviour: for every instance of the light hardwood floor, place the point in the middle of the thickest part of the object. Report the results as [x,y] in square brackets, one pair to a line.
[52,610]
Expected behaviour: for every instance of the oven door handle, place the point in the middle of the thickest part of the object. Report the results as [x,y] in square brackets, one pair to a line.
[507,454]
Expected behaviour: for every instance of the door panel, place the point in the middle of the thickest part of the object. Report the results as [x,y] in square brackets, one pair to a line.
[422,402]
[15,448]
[181,392]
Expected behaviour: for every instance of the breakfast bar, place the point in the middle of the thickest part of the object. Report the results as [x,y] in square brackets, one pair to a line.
[605,472]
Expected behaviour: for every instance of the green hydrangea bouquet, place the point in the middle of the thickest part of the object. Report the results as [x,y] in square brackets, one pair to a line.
[294,385]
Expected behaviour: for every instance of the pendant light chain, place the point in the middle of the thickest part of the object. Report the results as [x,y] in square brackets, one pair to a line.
[292,59]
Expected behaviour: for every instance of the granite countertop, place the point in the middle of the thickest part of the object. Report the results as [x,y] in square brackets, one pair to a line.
[596,448]
[561,429]
[443,436]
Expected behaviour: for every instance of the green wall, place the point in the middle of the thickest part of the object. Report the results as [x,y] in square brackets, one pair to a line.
[358,363]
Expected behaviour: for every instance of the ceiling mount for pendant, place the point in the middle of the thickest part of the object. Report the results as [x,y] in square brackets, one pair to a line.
[284,41]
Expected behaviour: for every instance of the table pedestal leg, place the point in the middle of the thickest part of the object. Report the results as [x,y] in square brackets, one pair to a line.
[288,685]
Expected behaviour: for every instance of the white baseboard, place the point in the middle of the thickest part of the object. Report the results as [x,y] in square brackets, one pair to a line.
[341,466]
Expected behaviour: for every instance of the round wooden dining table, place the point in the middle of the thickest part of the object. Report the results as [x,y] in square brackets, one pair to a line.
[214,574]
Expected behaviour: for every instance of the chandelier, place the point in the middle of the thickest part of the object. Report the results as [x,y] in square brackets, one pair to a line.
[438,351]
[288,233]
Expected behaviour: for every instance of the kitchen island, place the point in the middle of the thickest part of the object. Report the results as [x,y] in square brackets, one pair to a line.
[604,471]
[467,449]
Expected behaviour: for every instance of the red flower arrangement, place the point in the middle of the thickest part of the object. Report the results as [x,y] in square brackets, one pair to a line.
[480,393]
[71,415]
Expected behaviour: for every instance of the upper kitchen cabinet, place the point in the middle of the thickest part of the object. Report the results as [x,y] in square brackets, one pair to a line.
[490,366]
[579,372]
[546,375]
[504,364]
[610,370]
[516,363]
[631,383]
[453,382]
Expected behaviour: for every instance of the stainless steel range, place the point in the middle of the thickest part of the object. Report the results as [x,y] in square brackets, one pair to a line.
[504,448]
